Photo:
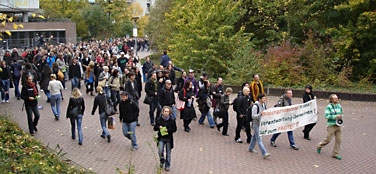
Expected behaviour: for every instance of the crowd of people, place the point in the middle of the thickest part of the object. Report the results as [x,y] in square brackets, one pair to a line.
[111,69]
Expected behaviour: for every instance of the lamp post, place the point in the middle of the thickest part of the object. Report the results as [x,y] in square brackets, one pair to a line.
[135,32]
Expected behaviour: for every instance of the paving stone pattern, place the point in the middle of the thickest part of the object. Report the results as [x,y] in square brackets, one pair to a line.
[204,150]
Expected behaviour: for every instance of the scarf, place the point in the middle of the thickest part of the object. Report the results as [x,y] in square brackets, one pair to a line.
[32,85]
[155,84]
[167,118]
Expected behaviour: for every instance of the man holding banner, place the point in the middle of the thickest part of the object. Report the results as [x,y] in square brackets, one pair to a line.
[285,100]
[257,110]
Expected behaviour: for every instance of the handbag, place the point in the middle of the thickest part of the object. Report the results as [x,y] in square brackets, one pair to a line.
[180,104]
[102,83]
[73,112]
[148,100]
[109,108]
[111,122]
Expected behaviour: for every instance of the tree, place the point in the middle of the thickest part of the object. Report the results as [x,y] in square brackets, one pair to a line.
[203,35]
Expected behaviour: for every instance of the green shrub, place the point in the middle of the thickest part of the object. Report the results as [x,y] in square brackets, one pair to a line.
[20,153]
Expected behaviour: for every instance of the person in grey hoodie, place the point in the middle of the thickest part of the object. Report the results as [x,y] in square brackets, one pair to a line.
[257,110]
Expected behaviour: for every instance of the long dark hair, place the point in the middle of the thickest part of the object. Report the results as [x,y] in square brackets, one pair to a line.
[186,84]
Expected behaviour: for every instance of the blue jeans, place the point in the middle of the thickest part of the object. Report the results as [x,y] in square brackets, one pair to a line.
[115,98]
[107,91]
[167,160]
[154,105]
[55,104]
[79,129]
[32,123]
[130,127]
[210,118]
[16,83]
[75,81]
[173,112]
[103,119]
[5,93]
[48,94]
[289,134]
[256,137]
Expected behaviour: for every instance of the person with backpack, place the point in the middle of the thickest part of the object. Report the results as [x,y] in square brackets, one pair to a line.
[16,76]
[285,100]
[257,108]
[243,103]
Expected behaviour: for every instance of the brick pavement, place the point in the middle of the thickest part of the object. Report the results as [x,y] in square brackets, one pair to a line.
[205,150]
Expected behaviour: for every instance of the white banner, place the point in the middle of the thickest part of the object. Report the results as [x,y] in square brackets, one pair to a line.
[282,119]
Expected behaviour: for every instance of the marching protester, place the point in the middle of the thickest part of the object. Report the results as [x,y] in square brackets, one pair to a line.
[333,113]
[256,87]
[6,79]
[129,112]
[152,93]
[16,76]
[75,111]
[224,105]
[30,95]
[167,97]
[308,95]
[100,101]
[188,113]
[55,86]
[203,96]
[165,126]
[258,107]
[241,111]
[285,100]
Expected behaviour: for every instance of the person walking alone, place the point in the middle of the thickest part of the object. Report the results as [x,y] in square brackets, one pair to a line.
[333,112]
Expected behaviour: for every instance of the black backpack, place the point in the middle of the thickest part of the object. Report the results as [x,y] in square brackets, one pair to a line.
[235,103]
[249,112]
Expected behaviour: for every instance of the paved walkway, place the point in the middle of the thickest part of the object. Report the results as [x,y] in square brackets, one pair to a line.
[204,150]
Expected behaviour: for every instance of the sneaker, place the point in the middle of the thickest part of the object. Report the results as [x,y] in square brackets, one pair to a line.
[318,150]
[103,136]
[253,151]
[56,117]
[337,157]
[273,144]
[3,101]
[239,140]
[134,148]
[201,123]
[167,168]
[295,147]
[6,101]
[212,127]
[266,155]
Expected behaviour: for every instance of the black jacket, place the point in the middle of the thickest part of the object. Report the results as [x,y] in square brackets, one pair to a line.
[73,102]
[27,92]
[167,97]
[150,88]
[100,100]
[129,111]
[170,124]
[244,103]
[74,71]
[133,91]
[307,97]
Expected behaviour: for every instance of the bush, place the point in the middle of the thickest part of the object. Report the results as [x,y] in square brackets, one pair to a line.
[20,153]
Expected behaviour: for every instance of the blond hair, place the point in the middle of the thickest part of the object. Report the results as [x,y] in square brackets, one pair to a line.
[76,93]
